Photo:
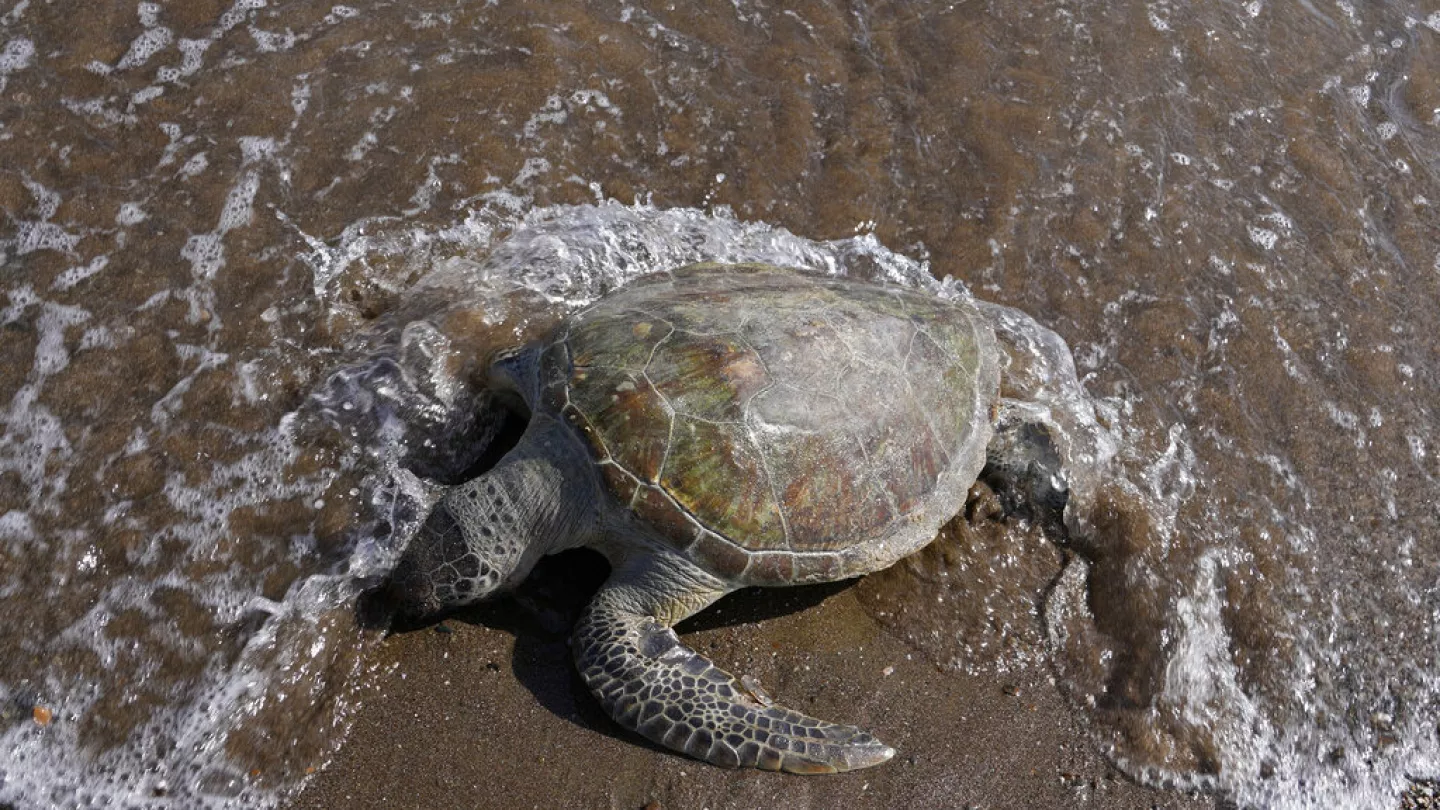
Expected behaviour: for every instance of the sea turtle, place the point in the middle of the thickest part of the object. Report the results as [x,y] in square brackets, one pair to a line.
[709,429]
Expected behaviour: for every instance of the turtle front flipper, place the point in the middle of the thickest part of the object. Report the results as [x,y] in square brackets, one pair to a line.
[650,681]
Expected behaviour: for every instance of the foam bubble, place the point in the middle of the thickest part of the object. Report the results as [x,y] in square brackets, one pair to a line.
[338,13]
[16,526]
[192,57]
[33,236]
[130,214]
[150,42]
[17,54]
[1265,238]
[269,42]
[238,13]
[146,95]
[197,163]
[74,275]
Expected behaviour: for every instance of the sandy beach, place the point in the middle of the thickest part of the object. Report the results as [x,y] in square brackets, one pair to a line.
[255,257]
[484,710]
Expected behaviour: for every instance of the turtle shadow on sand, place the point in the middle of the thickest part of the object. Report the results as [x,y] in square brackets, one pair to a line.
[543,610]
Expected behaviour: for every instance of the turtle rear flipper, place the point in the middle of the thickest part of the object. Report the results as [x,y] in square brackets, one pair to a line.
[1023,464]
[651,682]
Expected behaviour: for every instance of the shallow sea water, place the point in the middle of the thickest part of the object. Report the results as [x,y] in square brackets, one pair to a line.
[254,256]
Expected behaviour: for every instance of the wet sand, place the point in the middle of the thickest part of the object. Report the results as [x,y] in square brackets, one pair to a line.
[1227,211]
[485,710]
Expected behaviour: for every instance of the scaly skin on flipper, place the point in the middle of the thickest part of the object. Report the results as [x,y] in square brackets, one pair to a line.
[484,535]
[651,682]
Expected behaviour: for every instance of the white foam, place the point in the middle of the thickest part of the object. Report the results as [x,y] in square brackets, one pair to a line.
[206,251]
[130,214]
[1265,238]
[270,42]
[21,298]
[16,527]
[206,254]
[34,440]
[299,100]
[33,236]
[1203,684]
[237,14]
[74,275]
[46,200]
[146,95]
[424,195]
[1155,14]
[197,163]
[239,211]
[1417,449]
[45,766]
[150,42]
[338,13]
[1348,421]
[192,58]
[17,54]
[570,255]
[553,112]
[362,147]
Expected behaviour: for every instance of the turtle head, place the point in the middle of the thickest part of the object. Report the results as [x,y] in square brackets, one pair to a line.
[483,536]
[468,549]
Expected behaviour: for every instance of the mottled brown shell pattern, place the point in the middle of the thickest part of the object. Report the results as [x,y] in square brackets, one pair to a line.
[771,422]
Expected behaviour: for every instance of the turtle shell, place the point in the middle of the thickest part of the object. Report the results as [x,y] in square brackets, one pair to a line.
[777,426]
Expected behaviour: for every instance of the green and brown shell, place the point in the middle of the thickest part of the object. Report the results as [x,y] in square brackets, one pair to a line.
[777,426]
